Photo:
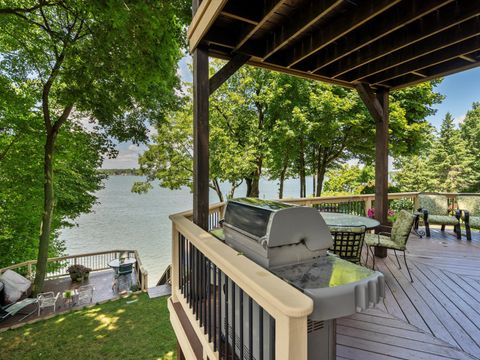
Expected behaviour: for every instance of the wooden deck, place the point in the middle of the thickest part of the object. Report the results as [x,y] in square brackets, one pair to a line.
[435,317]
[101,281]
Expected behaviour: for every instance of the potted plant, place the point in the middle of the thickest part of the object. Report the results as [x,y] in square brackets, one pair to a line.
[78,272]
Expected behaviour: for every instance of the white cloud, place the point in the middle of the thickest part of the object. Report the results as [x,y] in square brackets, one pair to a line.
[459,119]
[127,158]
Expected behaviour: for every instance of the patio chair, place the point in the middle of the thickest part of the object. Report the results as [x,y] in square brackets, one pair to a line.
[85,294]
[124,272]
[396,240]
[348,242]
[13,309]
[46,300]
[469,206]
[434,208]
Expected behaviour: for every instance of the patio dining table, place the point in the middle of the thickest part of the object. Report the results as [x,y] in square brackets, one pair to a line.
[339,219]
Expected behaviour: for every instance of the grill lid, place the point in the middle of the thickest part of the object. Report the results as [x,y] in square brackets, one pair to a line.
[274,224]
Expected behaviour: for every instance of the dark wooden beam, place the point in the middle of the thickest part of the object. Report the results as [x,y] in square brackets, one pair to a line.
[305,17]
[239,17]
[200,138]
[373,104]
[430,25]
[319,39]
[269,9]
[251,10]
[440,70]
[467,30]
[226,71]
[381,159]
[383,25]
[433,58]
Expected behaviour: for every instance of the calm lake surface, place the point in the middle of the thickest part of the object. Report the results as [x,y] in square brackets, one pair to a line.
[124,220]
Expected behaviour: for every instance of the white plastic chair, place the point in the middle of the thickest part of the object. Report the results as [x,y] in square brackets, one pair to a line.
[47,299]
[85,294]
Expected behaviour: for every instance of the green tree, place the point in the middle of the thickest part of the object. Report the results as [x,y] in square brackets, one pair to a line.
[446,165]
[351,179]
[113,62]
[470,133]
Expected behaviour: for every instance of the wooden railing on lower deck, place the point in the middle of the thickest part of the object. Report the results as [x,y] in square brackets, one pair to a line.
[98,261]
[210,281]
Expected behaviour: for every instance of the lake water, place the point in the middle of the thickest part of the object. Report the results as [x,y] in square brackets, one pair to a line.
[124,220]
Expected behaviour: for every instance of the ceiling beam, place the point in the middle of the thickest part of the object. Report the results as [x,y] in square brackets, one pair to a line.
[295,25]
[317,40]
[440,70]
[239,17]
[226,71]
[269,9]
[457,50]
[430,25]
[371,101]
[393,19]
[441,40]
[467,58]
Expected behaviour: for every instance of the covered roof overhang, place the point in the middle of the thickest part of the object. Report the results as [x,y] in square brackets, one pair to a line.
[383,43]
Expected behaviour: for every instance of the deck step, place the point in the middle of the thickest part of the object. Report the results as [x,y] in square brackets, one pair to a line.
[158,291]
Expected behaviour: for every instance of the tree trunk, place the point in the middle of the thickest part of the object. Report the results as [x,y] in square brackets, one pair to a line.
[303,185]
[321,170]
[282,176]
[48,205]
[253,185]
[216,187]
[314,179]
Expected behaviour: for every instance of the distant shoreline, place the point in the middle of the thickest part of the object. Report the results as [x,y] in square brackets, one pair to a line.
[123,172]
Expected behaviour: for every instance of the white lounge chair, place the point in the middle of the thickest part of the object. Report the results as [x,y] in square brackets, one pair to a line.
[46,300]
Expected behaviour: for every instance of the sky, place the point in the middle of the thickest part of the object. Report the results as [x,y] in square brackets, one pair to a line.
[461,90]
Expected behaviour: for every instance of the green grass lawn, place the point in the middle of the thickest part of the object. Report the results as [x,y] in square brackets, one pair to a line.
[114,330]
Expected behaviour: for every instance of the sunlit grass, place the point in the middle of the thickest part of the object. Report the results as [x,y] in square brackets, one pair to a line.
[115,330]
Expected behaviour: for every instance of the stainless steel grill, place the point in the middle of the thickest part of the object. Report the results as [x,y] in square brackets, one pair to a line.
[292,242]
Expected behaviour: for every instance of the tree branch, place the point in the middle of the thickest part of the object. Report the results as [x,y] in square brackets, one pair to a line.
[13,11]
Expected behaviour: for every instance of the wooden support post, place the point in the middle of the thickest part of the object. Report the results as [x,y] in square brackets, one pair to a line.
[201,92]
[377,105]
[381,160]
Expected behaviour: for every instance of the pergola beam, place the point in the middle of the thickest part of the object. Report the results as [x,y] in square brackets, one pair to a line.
[320,39]
[270,8]
[226,71]
[373,104]
[303,19]
[440,70]
[392,20]
[438,57]
[468,30]
[430,25]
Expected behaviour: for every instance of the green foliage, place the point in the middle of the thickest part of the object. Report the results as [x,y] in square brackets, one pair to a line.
[448,164]
[264,123]
[351,179]
[111,63]
[78,154]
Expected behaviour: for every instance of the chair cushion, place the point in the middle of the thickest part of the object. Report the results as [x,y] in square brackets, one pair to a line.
[470,203]
[435,204]
[382,240]
[402,227]
[442,219]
